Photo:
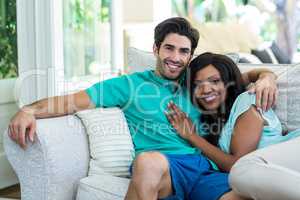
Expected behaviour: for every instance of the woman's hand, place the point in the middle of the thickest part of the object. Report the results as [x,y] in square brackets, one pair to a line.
[180,121]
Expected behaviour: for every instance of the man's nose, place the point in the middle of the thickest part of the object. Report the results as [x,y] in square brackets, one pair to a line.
[175,56]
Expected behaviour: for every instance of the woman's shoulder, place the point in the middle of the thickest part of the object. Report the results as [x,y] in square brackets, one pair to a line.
[246,96]
[244,101]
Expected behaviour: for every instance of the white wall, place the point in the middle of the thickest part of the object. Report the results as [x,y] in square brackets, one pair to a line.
[137,11]
[140,18]
[141,11]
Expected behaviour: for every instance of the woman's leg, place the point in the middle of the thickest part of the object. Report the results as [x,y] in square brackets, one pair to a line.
[232,196]
[270,173]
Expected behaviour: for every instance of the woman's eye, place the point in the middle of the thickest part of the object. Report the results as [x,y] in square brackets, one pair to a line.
[216,81]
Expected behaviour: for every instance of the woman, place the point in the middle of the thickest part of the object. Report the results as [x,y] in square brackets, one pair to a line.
[233,127]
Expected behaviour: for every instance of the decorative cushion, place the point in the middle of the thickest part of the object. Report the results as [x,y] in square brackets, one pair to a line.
[248,58]
[222,38]
[265,53]
[272,56]
[262,55]
[216,38]
[279,54]
[111,147]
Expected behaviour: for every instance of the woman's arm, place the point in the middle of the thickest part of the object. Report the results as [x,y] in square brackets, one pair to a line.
[246,135]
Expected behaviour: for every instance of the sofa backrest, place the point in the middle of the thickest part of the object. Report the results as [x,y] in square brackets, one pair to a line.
[288,102]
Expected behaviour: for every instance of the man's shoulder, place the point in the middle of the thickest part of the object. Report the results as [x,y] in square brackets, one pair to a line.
[133,76]
[146,74]
[138,77]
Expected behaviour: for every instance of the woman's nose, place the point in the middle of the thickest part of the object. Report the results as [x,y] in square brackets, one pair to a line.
[206,88]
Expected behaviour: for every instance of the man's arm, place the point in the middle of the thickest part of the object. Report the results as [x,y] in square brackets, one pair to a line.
[23,124]
[256,74]
[265,86]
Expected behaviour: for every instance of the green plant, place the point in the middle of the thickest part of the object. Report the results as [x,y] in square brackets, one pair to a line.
[85,12]
[8,39]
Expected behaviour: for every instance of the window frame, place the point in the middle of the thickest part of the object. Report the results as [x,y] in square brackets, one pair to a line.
[40,53]
[40,50]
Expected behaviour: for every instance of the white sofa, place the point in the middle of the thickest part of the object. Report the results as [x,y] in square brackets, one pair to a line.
[56,165]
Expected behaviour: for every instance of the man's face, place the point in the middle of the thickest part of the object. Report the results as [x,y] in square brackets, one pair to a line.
[173,56]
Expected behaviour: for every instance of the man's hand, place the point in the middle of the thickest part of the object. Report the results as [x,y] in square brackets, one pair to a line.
[22,125]
[266,91]
[180,121]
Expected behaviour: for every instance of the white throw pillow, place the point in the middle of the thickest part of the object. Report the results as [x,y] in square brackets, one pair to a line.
[111,146]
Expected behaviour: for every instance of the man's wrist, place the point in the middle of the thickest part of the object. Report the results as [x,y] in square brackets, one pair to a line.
[28,109]
[268,74]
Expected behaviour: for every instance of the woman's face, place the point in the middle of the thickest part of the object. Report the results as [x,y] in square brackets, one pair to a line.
[210,90]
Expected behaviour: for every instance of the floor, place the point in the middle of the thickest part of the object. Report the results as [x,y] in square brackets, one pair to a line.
[12,192]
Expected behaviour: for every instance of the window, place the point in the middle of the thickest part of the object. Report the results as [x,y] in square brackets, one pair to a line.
[86,37]
[224,11]
[275,20]
[8,39]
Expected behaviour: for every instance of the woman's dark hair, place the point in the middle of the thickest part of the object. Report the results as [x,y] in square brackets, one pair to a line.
[232,79]
[177,25]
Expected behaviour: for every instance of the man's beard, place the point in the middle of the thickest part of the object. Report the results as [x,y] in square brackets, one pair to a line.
[161,64]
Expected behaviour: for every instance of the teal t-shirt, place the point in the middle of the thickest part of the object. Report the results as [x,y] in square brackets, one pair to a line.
[272,130]
[143,97]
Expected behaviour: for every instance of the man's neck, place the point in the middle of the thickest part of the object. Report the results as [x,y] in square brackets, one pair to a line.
[159,74]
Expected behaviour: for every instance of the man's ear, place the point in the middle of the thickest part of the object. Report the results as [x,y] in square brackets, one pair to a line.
[155,49]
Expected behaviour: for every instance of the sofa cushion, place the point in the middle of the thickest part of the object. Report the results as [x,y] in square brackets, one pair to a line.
[102,187]
[139,60]
[219,37]
[287,107]
[111,147]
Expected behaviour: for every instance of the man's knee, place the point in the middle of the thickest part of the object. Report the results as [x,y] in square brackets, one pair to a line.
[151,163]
[151,174]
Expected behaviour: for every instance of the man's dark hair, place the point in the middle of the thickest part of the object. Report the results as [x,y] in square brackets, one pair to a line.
[232,79]
[177,25]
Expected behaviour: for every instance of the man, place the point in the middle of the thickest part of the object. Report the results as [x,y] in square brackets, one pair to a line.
[162,157]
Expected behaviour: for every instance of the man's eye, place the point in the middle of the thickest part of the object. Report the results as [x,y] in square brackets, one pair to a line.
[185,52]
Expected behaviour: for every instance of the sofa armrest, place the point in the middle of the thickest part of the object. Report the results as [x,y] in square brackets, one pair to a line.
[51,167]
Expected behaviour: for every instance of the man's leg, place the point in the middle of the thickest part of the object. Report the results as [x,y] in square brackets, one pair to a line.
[151,177]
[271,173]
